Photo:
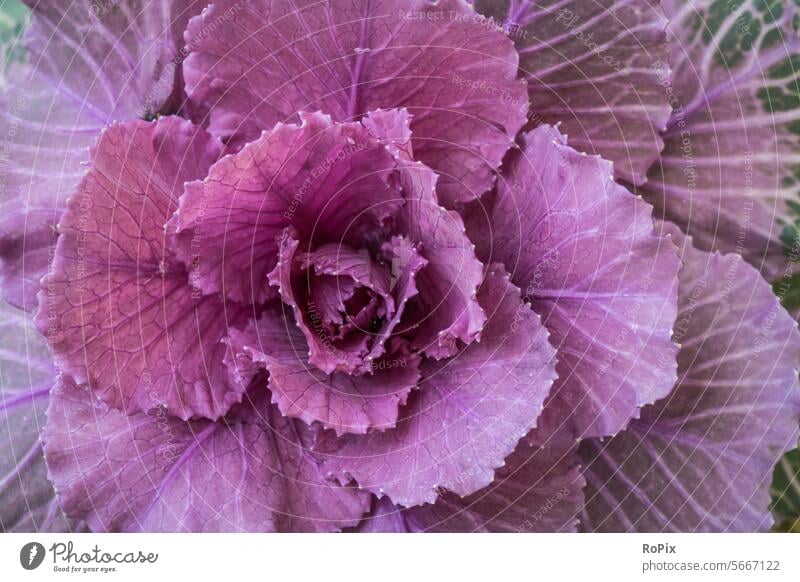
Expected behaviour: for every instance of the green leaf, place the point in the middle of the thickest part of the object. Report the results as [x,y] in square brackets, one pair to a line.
[785,492]
[788,291]
[13,15]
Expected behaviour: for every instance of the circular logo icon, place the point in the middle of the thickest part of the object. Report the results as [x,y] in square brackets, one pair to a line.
[31,555]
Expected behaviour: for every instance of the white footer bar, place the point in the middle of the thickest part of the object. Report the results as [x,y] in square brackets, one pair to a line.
[389,558]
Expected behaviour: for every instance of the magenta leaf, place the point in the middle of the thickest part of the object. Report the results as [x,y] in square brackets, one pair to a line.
[583,250]
[455,76]
[91,64]
[27,500]
[117,308]
[599,68]
[298,188]
[539,489]
[148,472]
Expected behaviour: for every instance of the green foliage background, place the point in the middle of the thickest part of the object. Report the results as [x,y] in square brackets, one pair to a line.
[12,21]
[785,489]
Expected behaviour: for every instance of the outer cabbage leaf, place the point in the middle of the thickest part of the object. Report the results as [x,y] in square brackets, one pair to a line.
[468,414]
[728,175]
[598,67]
[702,458]
[455,75]
[47,143]
[117,307]
[91,63]
[27,500]
[250,472]
[539,489]
[785,492]
[24,261]
[583,250]
[117,58]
